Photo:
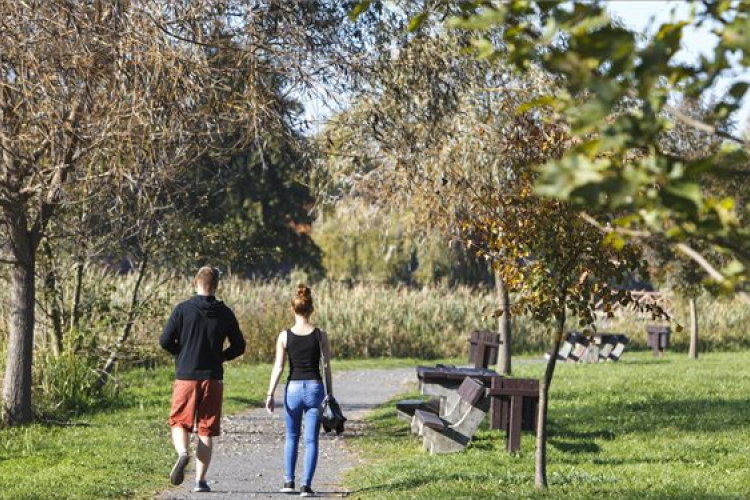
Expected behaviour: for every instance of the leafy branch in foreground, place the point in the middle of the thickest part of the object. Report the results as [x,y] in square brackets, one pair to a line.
[618,96]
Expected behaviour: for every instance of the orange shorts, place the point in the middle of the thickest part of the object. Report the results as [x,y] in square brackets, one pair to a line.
[197,402]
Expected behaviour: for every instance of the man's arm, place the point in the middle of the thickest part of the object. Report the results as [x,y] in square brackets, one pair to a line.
[236,340]
[170,337]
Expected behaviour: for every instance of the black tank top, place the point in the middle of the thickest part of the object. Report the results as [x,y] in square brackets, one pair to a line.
[304,356]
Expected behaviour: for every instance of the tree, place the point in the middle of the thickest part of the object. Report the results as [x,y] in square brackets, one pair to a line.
[91,91]
[450,139]
[255,211]
[617,98]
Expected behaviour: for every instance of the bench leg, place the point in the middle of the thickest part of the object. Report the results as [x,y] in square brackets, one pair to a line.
[438,442]
[513,436]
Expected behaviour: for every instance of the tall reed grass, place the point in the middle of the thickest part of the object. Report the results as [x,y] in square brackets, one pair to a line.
[363,320]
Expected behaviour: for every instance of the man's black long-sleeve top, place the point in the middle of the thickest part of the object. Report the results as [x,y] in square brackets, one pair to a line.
[195,333]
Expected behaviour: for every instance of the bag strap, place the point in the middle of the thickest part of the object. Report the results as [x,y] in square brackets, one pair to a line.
[322,360]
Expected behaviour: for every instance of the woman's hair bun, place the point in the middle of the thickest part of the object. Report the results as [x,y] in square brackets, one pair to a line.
[302,302]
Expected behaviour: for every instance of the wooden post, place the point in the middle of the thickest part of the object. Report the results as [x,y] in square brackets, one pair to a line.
[693,353]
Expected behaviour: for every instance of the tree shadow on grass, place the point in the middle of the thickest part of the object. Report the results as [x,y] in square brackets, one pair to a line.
[417,481]
[574,447]
[561,490]
[243,400]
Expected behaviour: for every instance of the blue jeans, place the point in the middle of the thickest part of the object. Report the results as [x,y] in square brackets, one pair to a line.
[302,400]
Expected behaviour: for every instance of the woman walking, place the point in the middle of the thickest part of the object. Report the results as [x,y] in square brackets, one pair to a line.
[305,392]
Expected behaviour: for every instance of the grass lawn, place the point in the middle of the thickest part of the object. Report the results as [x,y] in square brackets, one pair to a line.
[639,429]
[120,452]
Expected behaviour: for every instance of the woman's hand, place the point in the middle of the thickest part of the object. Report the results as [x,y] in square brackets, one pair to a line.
[270,404]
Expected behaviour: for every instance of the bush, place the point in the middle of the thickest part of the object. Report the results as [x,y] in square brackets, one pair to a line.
[66,384]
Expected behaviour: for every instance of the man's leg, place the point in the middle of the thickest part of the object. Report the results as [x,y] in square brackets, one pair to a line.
[181,420]
[209,425]
[203,457]
[181,439]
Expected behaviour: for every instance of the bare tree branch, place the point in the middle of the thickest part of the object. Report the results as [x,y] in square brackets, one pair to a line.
[702,126]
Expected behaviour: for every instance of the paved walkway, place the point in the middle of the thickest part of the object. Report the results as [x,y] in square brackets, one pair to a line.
[248,461]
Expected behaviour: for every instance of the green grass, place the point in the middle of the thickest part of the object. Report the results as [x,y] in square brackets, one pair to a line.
[639,429]
[120,452]
[123,451]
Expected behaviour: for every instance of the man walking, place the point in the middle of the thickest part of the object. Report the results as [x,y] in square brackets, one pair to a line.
[195,333]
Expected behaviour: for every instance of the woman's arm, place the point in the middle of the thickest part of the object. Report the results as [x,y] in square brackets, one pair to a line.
[278,368]
[327,362]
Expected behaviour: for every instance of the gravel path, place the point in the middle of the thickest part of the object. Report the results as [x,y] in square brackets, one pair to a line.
[248,458]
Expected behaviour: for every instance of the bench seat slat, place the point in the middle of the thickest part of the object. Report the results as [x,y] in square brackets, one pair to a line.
[430,420]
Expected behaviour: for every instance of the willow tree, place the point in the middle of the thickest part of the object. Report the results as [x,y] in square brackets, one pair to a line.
[113,91]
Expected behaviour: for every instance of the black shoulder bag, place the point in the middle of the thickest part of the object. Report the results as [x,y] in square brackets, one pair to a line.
[331,416]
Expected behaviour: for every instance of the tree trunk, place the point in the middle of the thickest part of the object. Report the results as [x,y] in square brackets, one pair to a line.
[75,310]
[504,328]
[17,383]
[693,353]
[50,293]
[75,307]
[540,458]
[109,366]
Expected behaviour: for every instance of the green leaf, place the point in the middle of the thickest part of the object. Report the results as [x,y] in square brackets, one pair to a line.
[484,48]
[733,269]
[678,195]
[484,20]
[545,100]
[416,22]
[359,8]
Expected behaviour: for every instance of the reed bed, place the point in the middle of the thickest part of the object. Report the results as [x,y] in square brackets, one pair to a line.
[363,320]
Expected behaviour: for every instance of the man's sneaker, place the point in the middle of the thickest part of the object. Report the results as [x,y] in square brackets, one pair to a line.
[306,491]
[177,476]
[201,487]
[288,487]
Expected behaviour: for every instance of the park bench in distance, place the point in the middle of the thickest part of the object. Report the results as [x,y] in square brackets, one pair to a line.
[578,347]
[453,432]
[515,406]
[483,348]
[658,338]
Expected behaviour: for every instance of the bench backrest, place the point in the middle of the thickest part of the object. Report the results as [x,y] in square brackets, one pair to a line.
[483,348]
[471,391]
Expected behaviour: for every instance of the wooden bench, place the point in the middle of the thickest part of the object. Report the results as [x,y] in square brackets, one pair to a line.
[483,351]
[483,348]
[443,381]
[454,431]
[608,346]
[573,349]
[596,347]
[515,406]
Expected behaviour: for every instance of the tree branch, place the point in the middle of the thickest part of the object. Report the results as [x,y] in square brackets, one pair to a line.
[58,179]
[681,247]
[704,127]
[701,261]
